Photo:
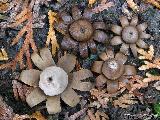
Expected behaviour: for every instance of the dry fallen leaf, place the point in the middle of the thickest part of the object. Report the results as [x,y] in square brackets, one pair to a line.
[98,115]
[101,96]
[132,5]
[151,78]
[91,2]
[150,63]
[136,83]
[4,5]
[20,90]
[154,3]
[146,55]
[36,116]
[3,54]
[6,112]
[51,38]
[104,5]
[125,101]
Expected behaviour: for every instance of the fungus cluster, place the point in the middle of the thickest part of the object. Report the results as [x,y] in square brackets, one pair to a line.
[54,81]
[130,35]
[79,31]
[112,70]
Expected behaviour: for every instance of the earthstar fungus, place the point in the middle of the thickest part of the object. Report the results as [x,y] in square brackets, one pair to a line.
[54,81]
[80,33]
[112,70]
[130,35]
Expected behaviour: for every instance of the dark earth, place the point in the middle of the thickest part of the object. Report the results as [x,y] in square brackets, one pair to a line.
[149,14]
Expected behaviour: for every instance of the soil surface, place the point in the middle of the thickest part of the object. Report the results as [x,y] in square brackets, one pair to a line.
[149,14]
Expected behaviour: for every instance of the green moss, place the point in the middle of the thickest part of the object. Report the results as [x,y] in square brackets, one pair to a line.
[154,72]
[157,109]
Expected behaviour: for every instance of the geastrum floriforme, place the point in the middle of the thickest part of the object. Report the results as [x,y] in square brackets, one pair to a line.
[112,70]
[55,81]
[130,35]
[79,31]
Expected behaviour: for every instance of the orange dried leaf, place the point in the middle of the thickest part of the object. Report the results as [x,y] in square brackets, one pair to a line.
[154,3]
[51,38]
[25,15]
[132,5]
[91,2]
[38,116]
[3,6]
[3,54]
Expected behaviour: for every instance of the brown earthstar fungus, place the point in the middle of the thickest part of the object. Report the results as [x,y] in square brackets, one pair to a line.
[55,81]
[130,35]
[112,70]
[80,33]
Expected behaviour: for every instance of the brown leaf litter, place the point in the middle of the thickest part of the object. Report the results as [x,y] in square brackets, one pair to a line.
[150,63]
[125,101]
[51,38]
[104,5]
[22,17]
[3,54]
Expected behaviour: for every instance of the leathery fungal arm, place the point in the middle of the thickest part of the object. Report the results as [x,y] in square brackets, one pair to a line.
[52,82]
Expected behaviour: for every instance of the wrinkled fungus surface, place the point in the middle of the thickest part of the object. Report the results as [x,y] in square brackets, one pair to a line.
[112,70]
[80,33]
[130,35]
[54,81]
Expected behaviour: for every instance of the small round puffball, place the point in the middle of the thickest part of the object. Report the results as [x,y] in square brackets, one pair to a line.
[53,80]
